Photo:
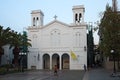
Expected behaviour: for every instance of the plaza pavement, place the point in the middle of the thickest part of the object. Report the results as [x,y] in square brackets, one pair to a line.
[45,75]
[92,74]
[99,74]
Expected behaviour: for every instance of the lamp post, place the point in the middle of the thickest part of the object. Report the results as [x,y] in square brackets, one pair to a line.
[113,54]
[21,61]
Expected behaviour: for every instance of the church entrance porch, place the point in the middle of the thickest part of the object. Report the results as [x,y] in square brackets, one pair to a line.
[55,60]
[62,61]
[46,61]
[65,61]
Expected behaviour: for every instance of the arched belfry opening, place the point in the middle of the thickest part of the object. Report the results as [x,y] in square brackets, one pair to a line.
[37,21]
[65,61]
[76,17]
[33,21]
[46,61]
[80,16]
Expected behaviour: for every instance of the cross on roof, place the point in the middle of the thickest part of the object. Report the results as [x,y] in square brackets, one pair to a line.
[55,17]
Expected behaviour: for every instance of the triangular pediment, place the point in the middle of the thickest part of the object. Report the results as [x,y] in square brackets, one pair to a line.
[54,22]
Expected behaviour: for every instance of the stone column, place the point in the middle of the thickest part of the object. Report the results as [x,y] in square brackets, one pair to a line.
[60,62]
[50,62]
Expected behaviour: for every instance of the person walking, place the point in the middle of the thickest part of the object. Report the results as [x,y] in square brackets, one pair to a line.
[55,70]
[85,68]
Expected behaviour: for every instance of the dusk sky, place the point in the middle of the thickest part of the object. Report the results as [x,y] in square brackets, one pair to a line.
[16,13]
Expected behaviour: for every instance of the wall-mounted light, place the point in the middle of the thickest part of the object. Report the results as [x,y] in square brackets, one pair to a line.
[85,48]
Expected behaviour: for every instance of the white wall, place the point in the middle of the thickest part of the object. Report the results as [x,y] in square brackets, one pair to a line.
[8,56]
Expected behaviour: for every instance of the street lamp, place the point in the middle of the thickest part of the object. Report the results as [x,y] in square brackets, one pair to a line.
[113,54]
[21,60]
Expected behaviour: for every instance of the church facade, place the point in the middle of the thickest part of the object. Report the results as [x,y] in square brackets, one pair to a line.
[58,43]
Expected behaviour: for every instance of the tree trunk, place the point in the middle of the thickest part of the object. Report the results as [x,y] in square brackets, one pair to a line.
[1,53]
[16,55]
[0,59]
[118,62]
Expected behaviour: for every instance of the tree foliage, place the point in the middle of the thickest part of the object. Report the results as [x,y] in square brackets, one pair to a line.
[109,31]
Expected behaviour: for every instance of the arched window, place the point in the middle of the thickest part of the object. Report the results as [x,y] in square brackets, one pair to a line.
[77,39]
[34,41]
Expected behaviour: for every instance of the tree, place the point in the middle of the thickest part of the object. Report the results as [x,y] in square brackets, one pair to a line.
[24,48]
[20,44]
[109,32]
[25,42]
[16,43]
[90,46]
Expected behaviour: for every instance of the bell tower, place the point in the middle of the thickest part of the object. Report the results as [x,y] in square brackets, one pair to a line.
[37,18]
[78,14]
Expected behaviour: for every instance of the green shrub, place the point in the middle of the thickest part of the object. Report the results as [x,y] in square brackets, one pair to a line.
[2,70]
